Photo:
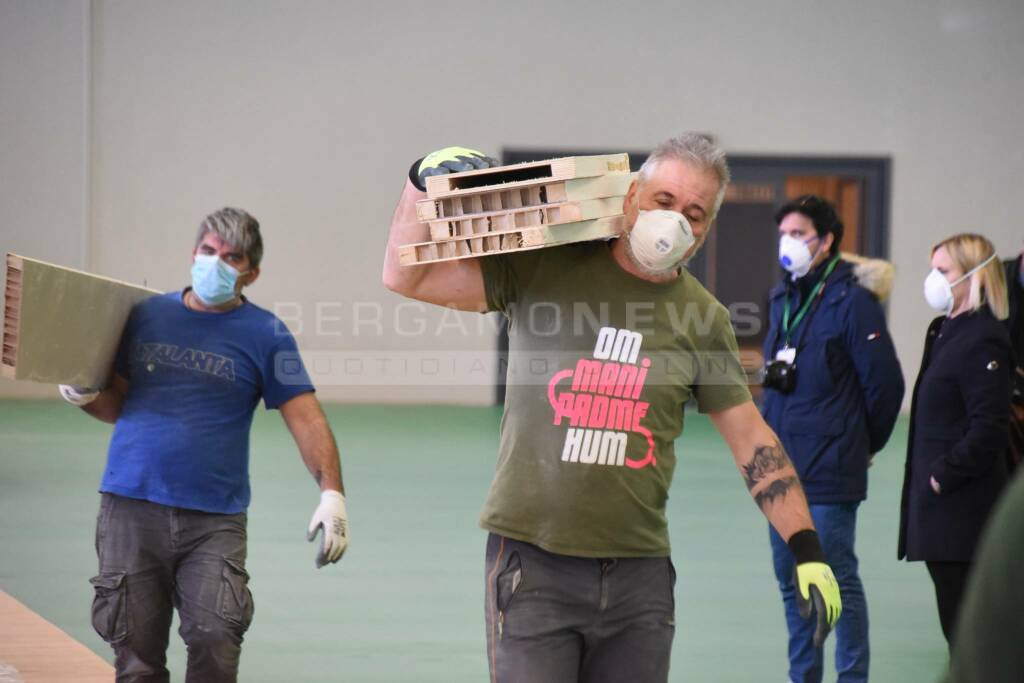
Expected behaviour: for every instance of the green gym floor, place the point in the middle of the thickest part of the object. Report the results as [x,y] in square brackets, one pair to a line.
[405,603]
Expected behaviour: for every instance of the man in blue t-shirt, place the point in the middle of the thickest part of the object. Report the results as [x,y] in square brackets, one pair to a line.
[190,371]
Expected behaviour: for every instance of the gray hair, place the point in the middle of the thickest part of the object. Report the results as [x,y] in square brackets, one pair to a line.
[237,228]
[696,149]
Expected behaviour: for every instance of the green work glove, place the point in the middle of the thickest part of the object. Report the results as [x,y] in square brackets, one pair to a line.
[448,160]
[817,590]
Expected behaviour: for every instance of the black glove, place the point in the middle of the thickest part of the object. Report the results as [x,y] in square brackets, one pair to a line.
[448,160]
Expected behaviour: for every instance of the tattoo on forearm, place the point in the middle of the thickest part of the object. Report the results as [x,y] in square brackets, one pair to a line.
[767,472]
[767,459]
[777,489]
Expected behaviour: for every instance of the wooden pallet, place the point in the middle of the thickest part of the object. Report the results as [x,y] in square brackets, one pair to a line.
[547,170]
[62,326]
[523,194]
[508,241]
[546,214]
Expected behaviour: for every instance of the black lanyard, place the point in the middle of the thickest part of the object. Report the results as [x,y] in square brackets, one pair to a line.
[788,328]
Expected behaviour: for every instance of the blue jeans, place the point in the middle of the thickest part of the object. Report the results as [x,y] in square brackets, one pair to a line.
[837,527]
[560,619]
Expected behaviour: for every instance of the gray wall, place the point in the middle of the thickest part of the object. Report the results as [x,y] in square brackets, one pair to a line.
[44,138]
[123,123]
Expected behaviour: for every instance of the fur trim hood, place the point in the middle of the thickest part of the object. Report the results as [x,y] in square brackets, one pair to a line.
[874,275]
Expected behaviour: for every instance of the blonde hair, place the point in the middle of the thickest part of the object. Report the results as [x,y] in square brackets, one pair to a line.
[988,284]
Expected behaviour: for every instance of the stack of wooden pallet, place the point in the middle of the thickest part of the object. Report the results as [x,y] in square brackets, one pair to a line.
[519,207]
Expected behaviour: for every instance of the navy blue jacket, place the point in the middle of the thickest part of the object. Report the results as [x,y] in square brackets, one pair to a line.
[849,385]
[958,434]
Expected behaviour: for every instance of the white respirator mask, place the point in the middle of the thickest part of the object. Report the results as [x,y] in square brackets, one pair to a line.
[795,256]
[938,291]
[659,239]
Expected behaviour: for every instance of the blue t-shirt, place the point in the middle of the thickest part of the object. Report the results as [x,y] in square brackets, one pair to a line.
[194,381]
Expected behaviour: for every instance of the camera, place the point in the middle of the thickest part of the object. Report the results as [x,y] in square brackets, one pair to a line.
[780,376]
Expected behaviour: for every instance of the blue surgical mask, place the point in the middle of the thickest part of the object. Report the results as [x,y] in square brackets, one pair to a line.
[213,281]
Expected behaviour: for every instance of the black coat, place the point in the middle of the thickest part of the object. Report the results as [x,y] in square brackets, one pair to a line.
[958,434]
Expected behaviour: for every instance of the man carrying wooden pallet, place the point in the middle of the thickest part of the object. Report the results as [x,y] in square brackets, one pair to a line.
[190,371]
[579,584]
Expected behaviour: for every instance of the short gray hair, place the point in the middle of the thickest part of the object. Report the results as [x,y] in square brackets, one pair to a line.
[237,228]
[696,149]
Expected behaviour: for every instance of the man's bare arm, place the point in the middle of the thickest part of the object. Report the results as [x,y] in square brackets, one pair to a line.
[775,487]
[769,475]
[308,425]
[453,284]
[107,406]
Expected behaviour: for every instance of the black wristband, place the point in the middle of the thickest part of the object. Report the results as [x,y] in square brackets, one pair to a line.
[414,177]
[806,547]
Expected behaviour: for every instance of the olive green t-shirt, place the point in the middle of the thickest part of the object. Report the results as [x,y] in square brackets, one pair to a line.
[600,366]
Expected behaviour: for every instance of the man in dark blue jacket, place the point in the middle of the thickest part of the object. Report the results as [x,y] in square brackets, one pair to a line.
[833,389]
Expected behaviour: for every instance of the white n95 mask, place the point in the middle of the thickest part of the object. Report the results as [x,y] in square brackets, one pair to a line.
[659,239]
[795,256]
[938,291]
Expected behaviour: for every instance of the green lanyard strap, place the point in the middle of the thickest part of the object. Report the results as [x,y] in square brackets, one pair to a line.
[786,327]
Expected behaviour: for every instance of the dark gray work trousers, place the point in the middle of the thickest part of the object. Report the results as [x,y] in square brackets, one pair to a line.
[558,619]
[154,558]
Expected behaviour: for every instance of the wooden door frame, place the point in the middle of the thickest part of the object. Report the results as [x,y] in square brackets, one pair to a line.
[874,172]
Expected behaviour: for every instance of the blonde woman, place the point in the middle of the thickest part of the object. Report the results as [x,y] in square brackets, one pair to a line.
[956,464]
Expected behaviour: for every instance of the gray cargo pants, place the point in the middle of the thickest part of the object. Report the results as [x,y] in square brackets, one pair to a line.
[558,619]
[153,558]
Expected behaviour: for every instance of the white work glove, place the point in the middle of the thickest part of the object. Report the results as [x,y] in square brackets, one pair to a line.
[78,396]
[330,516]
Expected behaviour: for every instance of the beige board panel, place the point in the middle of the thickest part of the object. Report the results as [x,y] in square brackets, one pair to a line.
[547,214]
[35,651]
[496,199]
[515,240]
[64,325]
[563,168]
